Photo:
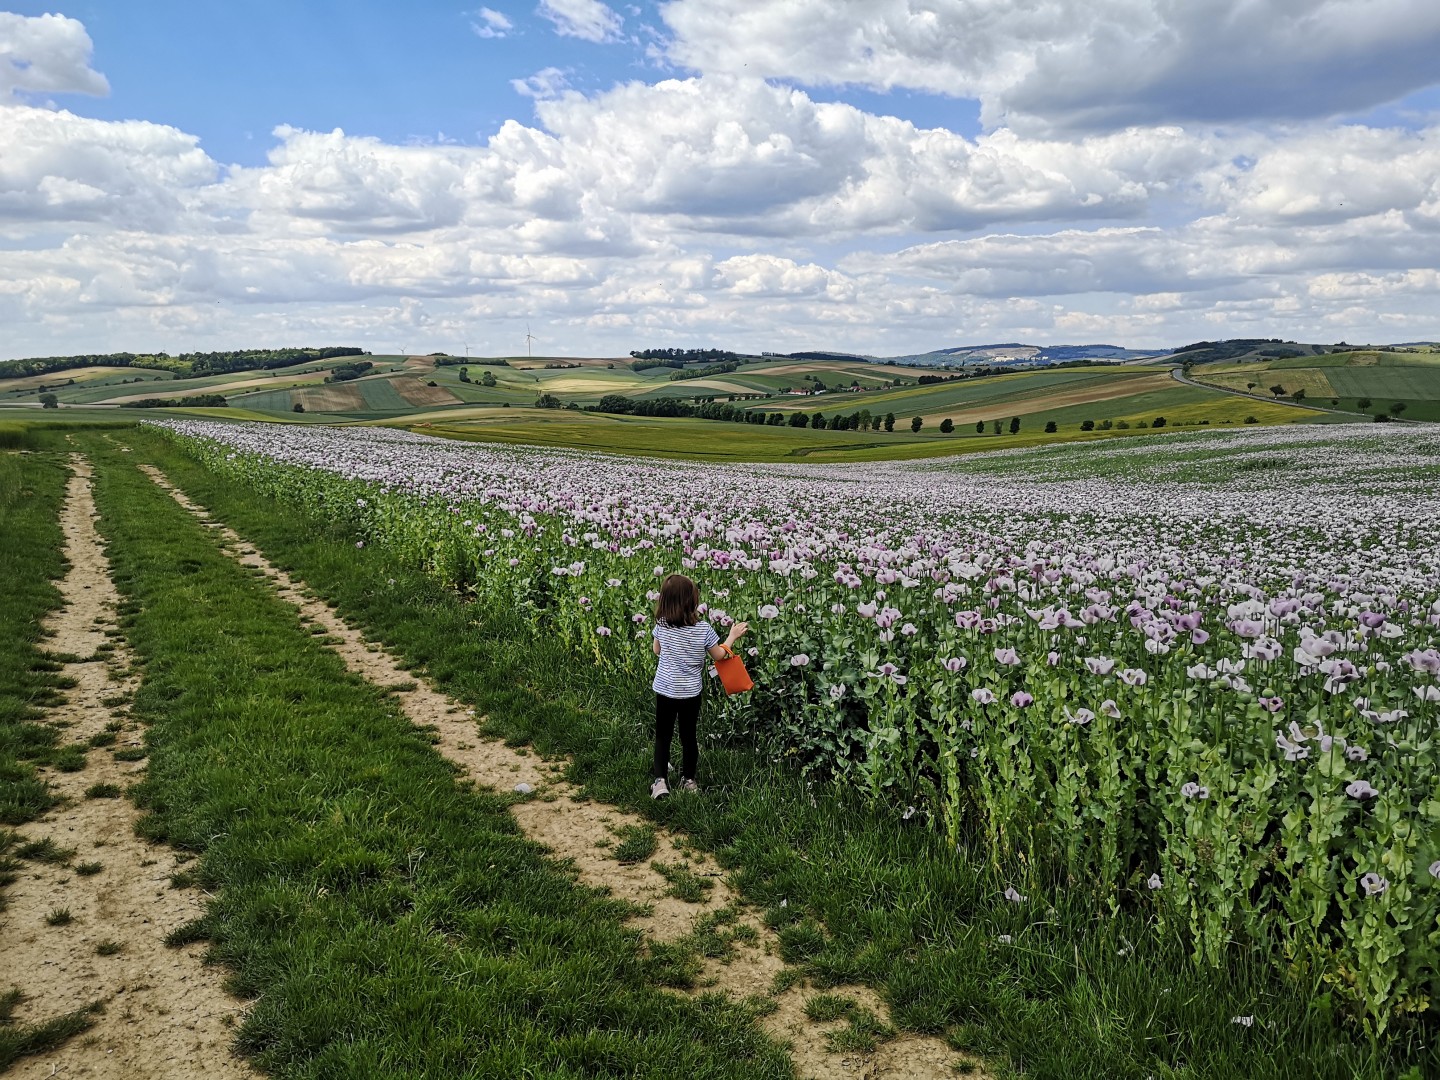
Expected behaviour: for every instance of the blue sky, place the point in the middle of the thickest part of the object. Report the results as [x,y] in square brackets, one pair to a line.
[872,175]
[230,73]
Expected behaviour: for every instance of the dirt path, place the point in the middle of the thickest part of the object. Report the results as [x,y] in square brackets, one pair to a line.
[582,832]
[164,1013]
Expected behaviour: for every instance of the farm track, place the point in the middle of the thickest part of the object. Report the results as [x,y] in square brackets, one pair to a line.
[163,1013]
[579,831]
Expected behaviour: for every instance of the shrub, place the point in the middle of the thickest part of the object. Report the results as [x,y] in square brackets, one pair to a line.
[916,424]
[1159,421]
[947,426]
[1050,427]
[1087,425]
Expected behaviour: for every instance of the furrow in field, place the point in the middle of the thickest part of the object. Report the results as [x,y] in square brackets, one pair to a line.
[163,1012]
[578,830]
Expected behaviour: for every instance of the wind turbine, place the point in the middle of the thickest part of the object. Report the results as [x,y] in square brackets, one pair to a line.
[529,337]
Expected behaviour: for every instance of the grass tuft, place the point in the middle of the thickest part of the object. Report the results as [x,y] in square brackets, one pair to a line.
[59,916]
[103,791]
[637,843]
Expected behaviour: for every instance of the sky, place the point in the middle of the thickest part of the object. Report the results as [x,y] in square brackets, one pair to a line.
[870,176]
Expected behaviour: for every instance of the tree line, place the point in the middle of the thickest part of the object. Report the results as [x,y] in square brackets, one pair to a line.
[192,364]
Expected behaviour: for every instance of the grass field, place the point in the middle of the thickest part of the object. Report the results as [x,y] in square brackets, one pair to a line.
[389,920]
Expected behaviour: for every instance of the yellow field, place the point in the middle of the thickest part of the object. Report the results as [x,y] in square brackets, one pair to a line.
[1311,380]
[80,375]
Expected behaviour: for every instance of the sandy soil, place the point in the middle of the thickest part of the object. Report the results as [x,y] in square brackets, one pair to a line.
[337,397]
[574,828]
[164,1013]
[417,393]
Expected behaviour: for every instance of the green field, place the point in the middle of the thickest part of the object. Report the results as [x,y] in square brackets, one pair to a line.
[1123,398]
[1342,380]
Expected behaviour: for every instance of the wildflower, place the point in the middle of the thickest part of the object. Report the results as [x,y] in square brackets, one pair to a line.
[1243,1021]
[1013,896]
[1294,751]
[1134,676]
[1099,665]
[1428,693]
[359,543]
[1200,671]
[1373,884]
[1008,657]
[1435,869]
[1110,709]
[1153,882]
[602,631]
[1357,753]
[1199,637]
[953,664]
[1272,704]
[866,611]
[1021,700]
[837,691]
[1052,658]
[1079,716]
[909,629]
[768,611]
[1360,789]
[1192,790]
[799,660]
[908,814]
[981,696]
[1005,939]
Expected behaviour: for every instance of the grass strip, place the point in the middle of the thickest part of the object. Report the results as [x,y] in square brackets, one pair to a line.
[393,921]
[32,491]
[1054,989]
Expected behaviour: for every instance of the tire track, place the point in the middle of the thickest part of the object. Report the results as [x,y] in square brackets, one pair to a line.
[163,1012]
[579,831]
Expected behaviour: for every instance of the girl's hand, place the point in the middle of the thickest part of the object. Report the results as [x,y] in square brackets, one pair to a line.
[737,630]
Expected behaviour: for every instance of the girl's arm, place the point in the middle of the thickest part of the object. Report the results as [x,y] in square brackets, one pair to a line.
[720,652]
[655,645]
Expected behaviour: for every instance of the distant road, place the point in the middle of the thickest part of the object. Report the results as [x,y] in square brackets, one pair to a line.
[1179,376]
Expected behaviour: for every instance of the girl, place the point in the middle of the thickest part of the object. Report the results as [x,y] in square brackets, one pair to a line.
[681,641]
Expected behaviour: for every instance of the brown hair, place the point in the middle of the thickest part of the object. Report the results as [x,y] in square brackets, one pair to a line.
[679,599]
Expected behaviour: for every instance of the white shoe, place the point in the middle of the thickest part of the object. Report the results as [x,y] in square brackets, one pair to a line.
[659,789]
[690,786]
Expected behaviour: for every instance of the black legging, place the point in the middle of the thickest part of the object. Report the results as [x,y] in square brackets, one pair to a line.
[666,710]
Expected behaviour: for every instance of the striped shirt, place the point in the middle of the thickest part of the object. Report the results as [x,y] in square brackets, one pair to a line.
[683,652]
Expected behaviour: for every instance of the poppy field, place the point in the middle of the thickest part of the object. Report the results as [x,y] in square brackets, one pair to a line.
[1195,678]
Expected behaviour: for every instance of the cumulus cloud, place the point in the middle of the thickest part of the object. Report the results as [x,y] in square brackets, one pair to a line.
[48,54]
[488,23]
[58,167]
[589,20]
[1093,64]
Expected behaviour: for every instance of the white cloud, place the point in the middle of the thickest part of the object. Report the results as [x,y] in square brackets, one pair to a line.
[589,20]
[491,24]
[1092,64]
[720,209]
[59,167]
[547,83]
[48,54]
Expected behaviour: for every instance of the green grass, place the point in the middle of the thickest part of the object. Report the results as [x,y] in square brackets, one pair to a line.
[637,843]
[854,897]
[392,921]
[22,1040]
[32,490]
